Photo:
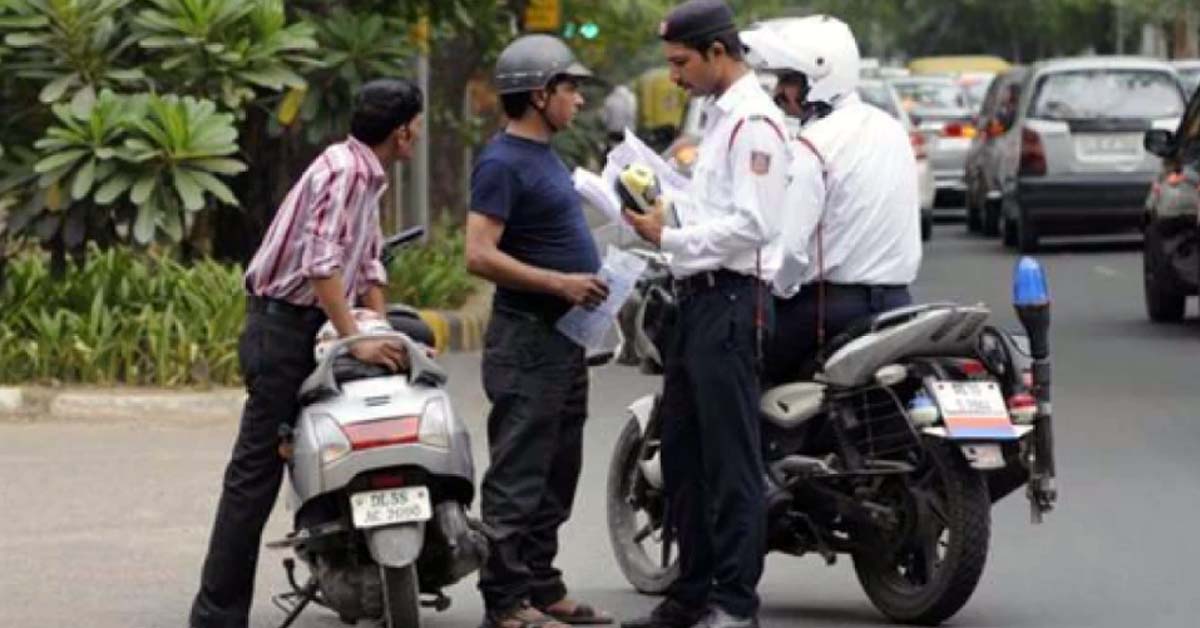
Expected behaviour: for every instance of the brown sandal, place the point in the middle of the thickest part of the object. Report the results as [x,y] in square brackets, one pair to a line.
[522,617]
[582,615]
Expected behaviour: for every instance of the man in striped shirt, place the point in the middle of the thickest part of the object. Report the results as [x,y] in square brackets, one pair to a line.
[318,260]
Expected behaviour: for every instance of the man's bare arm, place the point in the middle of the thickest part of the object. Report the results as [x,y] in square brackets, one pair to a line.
[485,259]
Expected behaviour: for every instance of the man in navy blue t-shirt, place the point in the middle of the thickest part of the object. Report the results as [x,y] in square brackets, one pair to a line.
[527,234]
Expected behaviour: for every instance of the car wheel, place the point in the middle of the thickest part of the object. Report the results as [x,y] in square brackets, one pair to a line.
[1165,302]
[974,220]
[991,219]
[1027,234]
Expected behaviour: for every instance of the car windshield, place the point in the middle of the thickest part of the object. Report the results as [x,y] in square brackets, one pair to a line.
[931,95]
[879,95]
[1190,78]
[976,91]
[1086,94]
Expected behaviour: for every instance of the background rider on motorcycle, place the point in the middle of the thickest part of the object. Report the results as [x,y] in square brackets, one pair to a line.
[851,224]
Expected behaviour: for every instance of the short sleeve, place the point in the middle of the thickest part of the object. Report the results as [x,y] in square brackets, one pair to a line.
[493,189]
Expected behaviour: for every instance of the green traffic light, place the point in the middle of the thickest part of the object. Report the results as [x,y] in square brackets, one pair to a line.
[569,30]
[590,30]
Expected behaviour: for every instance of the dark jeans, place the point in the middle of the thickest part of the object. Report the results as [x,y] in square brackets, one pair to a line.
[276,354]
[712,467]
[793,346]
[537,382]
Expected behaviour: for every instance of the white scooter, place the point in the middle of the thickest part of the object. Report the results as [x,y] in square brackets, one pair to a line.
[381,477]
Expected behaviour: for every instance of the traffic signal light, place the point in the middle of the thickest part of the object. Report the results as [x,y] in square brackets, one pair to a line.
[586,30]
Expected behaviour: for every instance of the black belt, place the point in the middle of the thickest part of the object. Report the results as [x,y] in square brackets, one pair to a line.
[853,287]
[708,280]
[282,309]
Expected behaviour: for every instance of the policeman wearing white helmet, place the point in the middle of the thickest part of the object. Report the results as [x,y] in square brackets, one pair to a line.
[851,227]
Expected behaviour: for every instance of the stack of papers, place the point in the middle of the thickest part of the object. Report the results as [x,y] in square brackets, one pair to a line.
[590,328]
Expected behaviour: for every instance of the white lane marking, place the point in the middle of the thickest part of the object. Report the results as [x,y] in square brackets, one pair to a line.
[1106,271]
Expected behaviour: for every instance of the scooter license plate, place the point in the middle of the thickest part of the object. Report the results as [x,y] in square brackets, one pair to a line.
[395,505]
[974,410]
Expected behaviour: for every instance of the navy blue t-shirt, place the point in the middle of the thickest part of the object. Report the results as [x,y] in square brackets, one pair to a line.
[526,186]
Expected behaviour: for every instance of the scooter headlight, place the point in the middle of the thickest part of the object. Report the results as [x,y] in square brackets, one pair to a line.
[332,444]
[435,424]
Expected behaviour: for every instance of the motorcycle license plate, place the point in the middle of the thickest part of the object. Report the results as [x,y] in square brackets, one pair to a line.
[974,410]
[391,506]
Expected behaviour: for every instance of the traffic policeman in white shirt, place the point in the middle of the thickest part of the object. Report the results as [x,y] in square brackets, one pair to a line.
[851,226]
[723,256]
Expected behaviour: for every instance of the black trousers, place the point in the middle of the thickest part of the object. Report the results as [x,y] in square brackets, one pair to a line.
[276,354]
[537,382]
[712,466]
[793,346]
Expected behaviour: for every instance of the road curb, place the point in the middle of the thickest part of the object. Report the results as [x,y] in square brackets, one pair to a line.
[119,404]
[462,329]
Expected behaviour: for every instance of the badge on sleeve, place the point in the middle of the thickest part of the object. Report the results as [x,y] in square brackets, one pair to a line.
[760,162]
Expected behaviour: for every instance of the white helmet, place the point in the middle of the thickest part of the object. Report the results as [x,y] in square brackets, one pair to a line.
[820,47]
[369,322]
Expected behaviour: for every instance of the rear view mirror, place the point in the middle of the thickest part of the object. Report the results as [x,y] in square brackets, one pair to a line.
[1159,142]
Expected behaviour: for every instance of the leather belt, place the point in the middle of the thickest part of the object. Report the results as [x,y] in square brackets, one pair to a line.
[708,280]
[278,308]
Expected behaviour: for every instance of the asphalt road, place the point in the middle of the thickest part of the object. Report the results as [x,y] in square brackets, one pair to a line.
[104,526]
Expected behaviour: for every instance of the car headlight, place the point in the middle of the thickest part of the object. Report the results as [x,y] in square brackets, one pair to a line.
[435,424]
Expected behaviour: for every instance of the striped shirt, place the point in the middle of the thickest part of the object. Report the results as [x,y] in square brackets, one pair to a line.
[328,223]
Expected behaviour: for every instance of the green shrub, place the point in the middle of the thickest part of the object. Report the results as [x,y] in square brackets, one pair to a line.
[124,317]
[433,274]
[121,318]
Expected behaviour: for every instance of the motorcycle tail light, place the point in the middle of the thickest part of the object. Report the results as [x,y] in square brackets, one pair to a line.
[1022,408]
[332,444]
[435,424]
[383,432]
[386,480]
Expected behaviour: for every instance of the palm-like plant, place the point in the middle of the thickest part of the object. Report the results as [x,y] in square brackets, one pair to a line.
[177,153]
[68,44]
[224,49]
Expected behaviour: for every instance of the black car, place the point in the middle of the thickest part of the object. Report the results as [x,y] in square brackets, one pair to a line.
[1170,261]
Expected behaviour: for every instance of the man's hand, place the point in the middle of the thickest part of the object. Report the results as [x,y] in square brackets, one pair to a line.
[648,225]
[387,353]
[583,289]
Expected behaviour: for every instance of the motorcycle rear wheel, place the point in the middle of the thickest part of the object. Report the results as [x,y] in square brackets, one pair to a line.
[635,519]
[401,597]
[926,572]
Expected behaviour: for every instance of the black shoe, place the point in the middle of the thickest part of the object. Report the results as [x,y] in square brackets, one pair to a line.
[668,614]
[717,618]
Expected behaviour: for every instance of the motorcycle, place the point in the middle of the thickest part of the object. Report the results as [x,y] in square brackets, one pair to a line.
[381,476]
[913,424]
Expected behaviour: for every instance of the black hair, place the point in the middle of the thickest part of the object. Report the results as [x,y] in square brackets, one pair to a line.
[383,105]
[727,38]
[516,104]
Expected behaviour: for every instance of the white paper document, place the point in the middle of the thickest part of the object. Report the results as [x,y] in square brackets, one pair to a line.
[590,328]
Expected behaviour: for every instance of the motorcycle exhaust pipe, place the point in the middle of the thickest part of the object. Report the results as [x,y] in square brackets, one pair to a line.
[1031,300]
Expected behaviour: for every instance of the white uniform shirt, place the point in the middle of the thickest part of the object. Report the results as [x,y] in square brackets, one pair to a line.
[736,191]
[866,200]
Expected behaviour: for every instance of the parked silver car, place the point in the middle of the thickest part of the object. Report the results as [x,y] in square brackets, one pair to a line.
[1074,163]
[985,156]
[941,108]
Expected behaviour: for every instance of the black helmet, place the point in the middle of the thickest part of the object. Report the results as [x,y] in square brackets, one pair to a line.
[532,61]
